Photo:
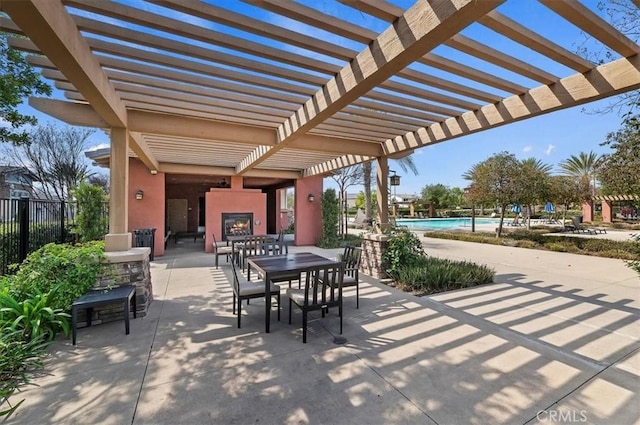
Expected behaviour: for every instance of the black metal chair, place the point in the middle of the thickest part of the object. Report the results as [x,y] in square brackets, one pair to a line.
[246,290]
[220,250]
[279,248]
[322,290]
[251,247]
[351,259]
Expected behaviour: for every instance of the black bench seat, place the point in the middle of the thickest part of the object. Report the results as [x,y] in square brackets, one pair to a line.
[121,294]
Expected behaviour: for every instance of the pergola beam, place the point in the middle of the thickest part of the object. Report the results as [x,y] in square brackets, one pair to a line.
[179,126]
[50,27]
[422,28]
[606,80]
[580,16]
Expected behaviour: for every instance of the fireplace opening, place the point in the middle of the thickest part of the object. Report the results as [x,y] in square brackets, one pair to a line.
[236,224]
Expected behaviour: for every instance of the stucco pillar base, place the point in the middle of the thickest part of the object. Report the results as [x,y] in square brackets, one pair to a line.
[117,242]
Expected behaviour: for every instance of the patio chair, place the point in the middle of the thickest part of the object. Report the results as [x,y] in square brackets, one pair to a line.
[279,248]
[319,293]
[251,247]
[580,228]
[246,290]
[351,259]
[220,250]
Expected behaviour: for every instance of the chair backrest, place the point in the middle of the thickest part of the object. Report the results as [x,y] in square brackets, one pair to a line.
[273,248]
[576,222]
[236,281]
[351,259]
[215,243]
[252,245]
[320,282]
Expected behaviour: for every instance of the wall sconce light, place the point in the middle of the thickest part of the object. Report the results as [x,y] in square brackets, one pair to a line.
[153,172]
[139,194]
[311,198]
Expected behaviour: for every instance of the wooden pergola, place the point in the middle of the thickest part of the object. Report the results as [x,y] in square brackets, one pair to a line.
[194,87]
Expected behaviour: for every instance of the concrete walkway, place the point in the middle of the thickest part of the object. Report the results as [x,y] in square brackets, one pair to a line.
[557,336]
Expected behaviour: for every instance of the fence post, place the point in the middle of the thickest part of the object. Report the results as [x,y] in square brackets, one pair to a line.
[23,222]
[63,212]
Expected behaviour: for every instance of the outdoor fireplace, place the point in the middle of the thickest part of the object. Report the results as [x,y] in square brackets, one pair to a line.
[236,224]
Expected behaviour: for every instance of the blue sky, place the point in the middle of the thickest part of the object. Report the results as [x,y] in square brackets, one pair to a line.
[551,137]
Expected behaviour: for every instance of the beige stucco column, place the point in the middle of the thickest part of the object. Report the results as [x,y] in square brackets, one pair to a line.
[383,192]
[119,238]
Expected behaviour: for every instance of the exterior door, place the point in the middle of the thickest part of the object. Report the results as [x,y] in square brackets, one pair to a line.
[177,215]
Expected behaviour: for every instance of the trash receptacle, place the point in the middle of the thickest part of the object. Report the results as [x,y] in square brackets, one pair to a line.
[145,238]
[578,218]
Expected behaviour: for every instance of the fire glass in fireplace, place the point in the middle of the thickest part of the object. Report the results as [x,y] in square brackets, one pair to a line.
[236,224]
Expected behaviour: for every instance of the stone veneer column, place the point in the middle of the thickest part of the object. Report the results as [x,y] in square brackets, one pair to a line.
[374,245]
[125,268]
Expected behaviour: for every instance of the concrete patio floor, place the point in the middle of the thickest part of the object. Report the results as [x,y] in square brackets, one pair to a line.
[556,336]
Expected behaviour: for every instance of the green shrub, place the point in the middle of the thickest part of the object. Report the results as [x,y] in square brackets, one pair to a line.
[330,217]
[32,317]
[349,240]
[20,360]
[91,223]
[432,275]
[64,271]
[526,244]
[403,249]
[626,250]
[554,246]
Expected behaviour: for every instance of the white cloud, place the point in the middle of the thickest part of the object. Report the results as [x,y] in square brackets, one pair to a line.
[527,149]
[550,149]
[98,147]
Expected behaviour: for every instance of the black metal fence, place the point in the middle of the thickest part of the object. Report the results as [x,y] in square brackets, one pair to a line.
[28,224]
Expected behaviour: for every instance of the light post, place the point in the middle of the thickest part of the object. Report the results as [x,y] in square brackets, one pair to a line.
[394,180]
[467,192]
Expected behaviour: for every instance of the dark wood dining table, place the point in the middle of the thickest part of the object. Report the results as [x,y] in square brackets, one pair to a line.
[271,266]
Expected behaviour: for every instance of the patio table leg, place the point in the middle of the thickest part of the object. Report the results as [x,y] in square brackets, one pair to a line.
[267,303]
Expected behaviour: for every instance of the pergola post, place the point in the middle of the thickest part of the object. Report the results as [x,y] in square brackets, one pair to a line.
[119,238]
[383,192]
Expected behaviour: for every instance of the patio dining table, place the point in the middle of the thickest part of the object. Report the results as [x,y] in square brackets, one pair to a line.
[272,266]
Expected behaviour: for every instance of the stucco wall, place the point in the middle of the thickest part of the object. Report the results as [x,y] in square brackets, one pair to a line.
[149,211]
[234,200]
[308,215]
[190,192]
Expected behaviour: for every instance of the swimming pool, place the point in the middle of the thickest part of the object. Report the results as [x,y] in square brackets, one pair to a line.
[443,223]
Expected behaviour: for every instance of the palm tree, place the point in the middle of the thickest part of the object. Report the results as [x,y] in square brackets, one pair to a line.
[584,166]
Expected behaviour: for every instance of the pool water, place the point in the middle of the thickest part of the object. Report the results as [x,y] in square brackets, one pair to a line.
[443,223]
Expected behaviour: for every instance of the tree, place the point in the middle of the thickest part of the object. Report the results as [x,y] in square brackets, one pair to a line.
[56,157]
[101,180]
[495,180]
[436,195]
[584,166]
[625,17]
[345,178]
[533,184]
[360,200]
[619,169]
[566,191]
[18,80]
